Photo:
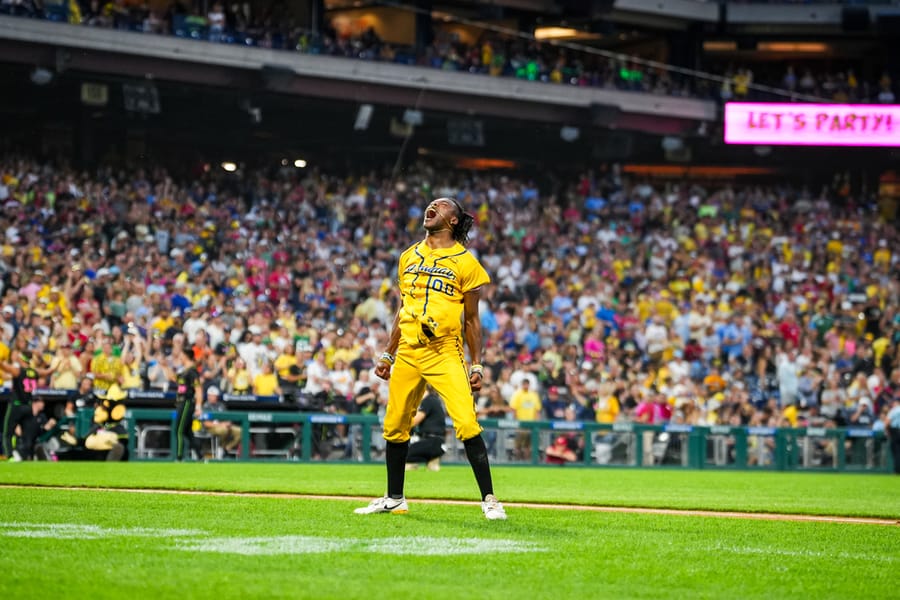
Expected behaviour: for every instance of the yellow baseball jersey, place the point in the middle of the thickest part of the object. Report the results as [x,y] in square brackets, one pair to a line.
[432,283]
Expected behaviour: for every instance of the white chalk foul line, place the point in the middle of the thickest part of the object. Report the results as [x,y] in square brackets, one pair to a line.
[804,553]
[301,544]
[193,540]
[84,531]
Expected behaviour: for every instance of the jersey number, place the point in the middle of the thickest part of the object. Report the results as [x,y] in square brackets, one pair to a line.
[439,285]
[29,385]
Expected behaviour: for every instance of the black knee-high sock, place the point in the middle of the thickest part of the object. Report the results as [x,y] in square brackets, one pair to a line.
[395,458]
[477,454]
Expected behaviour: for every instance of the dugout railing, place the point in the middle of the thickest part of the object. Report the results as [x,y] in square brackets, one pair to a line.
[265,435]
[300,436]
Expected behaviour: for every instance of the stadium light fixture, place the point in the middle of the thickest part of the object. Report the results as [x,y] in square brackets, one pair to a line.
[564,33]
[300,163]
[799,47]
[672,144]
[229,166]
[41,76]
[569,134]
[413,117]
[719,46]
[363,117]
[554,33]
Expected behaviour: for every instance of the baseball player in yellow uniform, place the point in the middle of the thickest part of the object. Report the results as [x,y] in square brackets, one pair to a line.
[439,282]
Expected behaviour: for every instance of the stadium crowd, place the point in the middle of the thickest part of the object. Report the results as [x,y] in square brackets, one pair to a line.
[612,299]
[493,54]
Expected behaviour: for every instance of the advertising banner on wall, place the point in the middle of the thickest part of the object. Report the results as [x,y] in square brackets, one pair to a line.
[790,124]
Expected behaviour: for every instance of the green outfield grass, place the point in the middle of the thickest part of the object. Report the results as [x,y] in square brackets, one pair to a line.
[58,543]
[797,493]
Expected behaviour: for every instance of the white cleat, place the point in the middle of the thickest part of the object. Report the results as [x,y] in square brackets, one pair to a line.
[492,508]
[384,505]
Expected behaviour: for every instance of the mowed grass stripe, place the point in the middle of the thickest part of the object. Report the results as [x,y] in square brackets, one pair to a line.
[526,505]
[823,494]
[235,546]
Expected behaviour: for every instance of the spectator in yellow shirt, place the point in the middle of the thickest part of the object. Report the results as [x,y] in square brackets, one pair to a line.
[714,382]
[57,303]
[882,256]
[527,404]
[834,248]
[289,371]
[286,360]
[345,348]
[607,407]
[266,382]
[65,367]
[238,377]
[4,357]
[106,367]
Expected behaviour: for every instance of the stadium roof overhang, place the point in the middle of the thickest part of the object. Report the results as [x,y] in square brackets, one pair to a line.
[60,46]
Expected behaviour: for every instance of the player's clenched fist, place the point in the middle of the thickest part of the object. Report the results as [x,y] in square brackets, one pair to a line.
[476,375]
[383,366]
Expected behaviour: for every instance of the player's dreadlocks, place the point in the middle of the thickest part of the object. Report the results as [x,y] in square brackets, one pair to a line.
[460,231]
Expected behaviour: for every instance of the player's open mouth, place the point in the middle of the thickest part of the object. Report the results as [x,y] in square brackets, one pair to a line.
[430,213]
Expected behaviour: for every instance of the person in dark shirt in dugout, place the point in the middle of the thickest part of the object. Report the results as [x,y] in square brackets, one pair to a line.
[188,402]
[19,411]
[430,425]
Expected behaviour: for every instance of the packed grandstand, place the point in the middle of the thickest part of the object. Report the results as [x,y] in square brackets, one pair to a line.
[717,304]
[643,271]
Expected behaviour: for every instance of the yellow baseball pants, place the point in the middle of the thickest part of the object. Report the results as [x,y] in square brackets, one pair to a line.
[442,365]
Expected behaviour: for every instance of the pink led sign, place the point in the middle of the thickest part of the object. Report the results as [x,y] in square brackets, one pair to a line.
[773,123]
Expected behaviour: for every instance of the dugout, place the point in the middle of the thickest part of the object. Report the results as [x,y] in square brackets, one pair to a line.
[619,445]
